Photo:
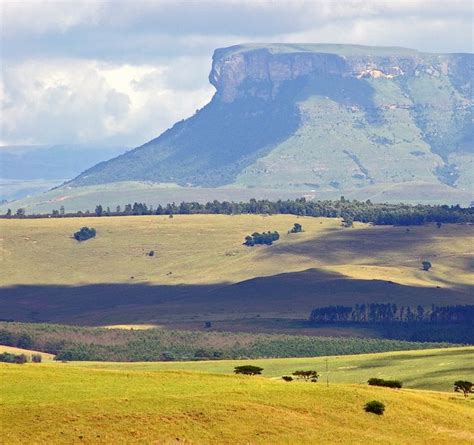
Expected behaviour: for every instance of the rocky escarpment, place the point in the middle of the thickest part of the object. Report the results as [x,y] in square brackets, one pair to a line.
[259,71]
[318,117]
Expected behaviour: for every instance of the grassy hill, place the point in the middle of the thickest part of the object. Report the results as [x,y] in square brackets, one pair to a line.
[64,403]
[201,271]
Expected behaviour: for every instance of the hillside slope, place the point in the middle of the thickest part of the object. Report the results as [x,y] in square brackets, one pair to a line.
[317,117]
[62,403]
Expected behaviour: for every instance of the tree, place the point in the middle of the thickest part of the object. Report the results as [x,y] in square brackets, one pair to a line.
[84,234]
[464,386]
[297,228]
[426,265]
[9,213]
[375,407]
[307,376]
[248,370]
[62,210]
[20,213]
[36,358]
[99,210]
[287,378]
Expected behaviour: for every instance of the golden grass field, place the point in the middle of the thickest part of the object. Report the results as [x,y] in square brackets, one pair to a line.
[63,403]
[206,249]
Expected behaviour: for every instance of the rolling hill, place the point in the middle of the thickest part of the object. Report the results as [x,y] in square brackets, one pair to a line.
[201,271]
[66,403]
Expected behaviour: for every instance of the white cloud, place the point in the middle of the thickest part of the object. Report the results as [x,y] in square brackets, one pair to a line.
[58,101]
[122,71]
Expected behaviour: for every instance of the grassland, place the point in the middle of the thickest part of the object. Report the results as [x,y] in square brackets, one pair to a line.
[432,369]
[207,249]
[63,403]
[201,271]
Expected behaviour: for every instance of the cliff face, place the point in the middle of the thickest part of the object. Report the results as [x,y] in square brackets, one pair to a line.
[335,117]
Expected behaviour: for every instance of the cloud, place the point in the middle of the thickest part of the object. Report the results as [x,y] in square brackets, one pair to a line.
[122,71]
[84,101]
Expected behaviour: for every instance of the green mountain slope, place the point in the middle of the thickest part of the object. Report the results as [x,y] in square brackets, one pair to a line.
[316,117]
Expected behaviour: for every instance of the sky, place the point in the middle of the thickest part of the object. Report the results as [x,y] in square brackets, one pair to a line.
[120,72]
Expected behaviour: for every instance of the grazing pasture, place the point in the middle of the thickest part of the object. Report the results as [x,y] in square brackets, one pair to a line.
[201,271]
[64,403]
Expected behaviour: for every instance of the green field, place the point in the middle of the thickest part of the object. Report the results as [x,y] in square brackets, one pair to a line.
[434,369]
[146,403]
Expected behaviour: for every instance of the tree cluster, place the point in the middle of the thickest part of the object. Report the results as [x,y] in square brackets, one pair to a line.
[389,312]
[7,357]
[349,211]
[261,238]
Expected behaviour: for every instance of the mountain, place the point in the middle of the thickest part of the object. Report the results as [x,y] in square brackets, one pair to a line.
[316,117]
[31,169]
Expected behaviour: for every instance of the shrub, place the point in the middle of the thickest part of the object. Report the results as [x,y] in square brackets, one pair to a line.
[84,234]
[375,407]
[426,265]
[6,357]
[387,383]
[248,370]
[297,228]
[464,386]
[287,378]
[20,359]
[36,358]
[151,253]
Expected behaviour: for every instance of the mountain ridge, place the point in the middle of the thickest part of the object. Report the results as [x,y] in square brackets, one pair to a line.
[292,117]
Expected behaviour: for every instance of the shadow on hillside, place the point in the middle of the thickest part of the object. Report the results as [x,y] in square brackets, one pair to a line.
[289,295]
[375,246]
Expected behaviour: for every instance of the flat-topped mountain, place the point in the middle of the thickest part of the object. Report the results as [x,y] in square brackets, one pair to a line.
[316,117]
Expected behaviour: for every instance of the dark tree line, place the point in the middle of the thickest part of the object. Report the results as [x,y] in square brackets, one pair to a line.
[387,312]
[349,211]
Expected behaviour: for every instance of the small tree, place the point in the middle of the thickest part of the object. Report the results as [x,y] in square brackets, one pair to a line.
[84,234]
[36,358]
[375,407]
[297,228]
[248,370]
[426,265]
[307,376]
[287,378]
[464,386]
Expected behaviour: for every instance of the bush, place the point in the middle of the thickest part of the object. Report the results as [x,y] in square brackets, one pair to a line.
[387,383]
[426,265]
[287,378]
[84,234]
[36,358]
[375,407]
[6,357]
[248,370]
[24,341]
[297,228]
